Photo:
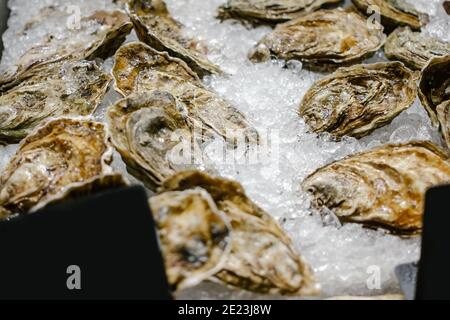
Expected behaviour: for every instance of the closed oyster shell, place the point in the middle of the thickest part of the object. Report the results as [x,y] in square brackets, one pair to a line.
[393,13]
[269,11]
[384,187]
[414,49]
[64,154]
[262,257]
[355,101]
[155,26]
[434,87]
[443,115]
[194,236]
[322,40]
[99,37]
[63,88]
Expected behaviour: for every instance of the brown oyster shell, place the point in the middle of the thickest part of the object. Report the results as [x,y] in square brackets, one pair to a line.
[262,258]
[87,43]
[434,87]
[355,101]
[64,154]
[443,115]
[194,236]
[269,11]
[63,88]
[394,13]
[155,26]
[322,40]
[384,187]
[414,49]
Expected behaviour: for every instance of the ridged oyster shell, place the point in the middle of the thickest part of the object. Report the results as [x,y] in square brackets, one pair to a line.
[261,257]
[63,88]
[322,40]
[64,155]
[443,115]
[355,101]
[384,187]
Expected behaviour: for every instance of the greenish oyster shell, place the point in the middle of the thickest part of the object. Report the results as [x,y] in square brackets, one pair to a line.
[393,13]
[261,258]
[355,101]
[63,88]
[322,40]
[59,160]
[384,187]
[434,87]
[155,26]
[414,49]
[269,11]
[443,114]
[99,37]
[194,236]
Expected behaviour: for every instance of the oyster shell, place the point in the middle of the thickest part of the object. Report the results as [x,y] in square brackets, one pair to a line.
[414,49]
[262,257]
[446,6]
[322,40]
[393,13]
[269,11]
[155,26]
[64,154]
[99,36]
[63,88]
[355,101]
[194,236]
[434,87]
[384,187]
[443,115]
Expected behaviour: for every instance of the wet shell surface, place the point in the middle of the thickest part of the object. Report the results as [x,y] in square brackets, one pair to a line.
[322,40]
[355,101]
[384,187]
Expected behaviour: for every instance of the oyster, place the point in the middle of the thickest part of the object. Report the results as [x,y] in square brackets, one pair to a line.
[99,36]
[269,11]
[434,87]
[63,88]
[355,101]
[384,187]
[194,236]
[414,49]
[65,154]
[443,115]
[262,258]
[322,40]
[155,26]
[393,13]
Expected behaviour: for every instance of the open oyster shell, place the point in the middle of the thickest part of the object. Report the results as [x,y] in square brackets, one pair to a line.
[99,36]
[384,187]
[322,40]
[64,154]
[443,115]
[393,13]
[355,101]
[63,88]
[269,11]
[194,236]
[414,49]
[434,87]
[262,257]
[155,26]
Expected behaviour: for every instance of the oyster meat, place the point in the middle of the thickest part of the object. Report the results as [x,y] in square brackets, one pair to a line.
[63,88]
[261,258]
[414,49]
[155,26]
[322,40]
[384,187]
[434,87]
[443,115]
[64,154]
[355,101]
[99,36]
[269,11]
[194,236]
[394,13]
